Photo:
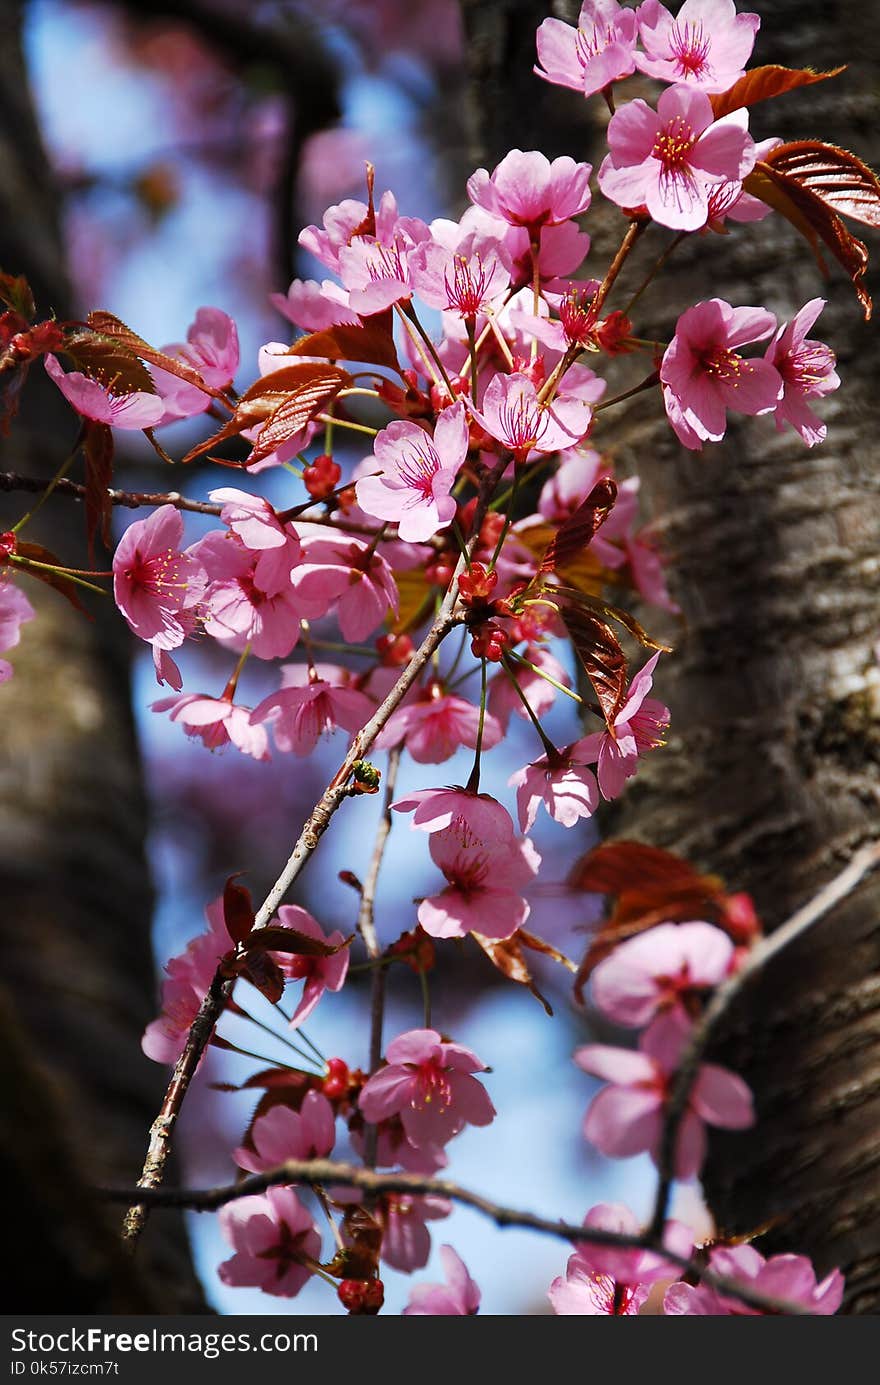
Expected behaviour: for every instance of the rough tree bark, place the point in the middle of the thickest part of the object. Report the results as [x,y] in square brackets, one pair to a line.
[771,772]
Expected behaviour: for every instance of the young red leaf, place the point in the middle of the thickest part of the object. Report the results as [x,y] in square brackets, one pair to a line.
[238,910]
[599,651]
[296,410]
[98,453]
[283,402]
[15,292]
[110,326]
[263,972]
[276,938]
[371,342]
[109,362]
[762,83]
[576,532]
[507,957]
[835,175]
[536,944]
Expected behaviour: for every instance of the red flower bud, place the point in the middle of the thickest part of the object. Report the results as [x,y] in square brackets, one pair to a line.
[361,1295]
[322,477]
[394,650]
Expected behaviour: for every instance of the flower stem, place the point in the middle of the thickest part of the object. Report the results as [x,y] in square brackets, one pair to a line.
[59,476]
[473,783]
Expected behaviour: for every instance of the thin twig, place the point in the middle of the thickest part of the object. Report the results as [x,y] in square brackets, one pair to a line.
[862,864]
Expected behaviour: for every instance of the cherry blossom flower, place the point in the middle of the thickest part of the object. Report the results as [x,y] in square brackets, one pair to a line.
[137,409]
[790,1278]
[320,973]
[483,880]
[314,306]
[15,609]
[347,574]
[512,414]
[271,1235]
[434,728]
[528,190]
[249,599]
[393,1148]
[406,1240]
[565,786]
[417,475]
[661,969]
[540,694]
[216,721]
[707,45]
[309,705]
[470,276]
[598,52]
[807,371]
[638,727]
[309,1133]
[429,1083]
[253,520]
[584,1293]
[669,159]
[156,585]
[211,348]
[459,1297]
[376,271]
[627,1116]
[187,979]
[703,375]
[341,223]
[477,813]
[635,1265]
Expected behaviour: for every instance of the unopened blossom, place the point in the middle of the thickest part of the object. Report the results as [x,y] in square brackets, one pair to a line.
[564,784]
[211,349]
[216,721]
[435,727]
[789,1278]
[434,810]
[275,1243]
[512,414]
[528,190]
[187,979]
[15,609]
[319,972]
[417,473]
[484,880]
[137,409]
[345,575]
[639,726]
[406,1240]
[156,585]
[310,705]
[627,1116]
[807,370]
[668,159]
[706,45]
[314,306]
[598,52]
[703,375]
[282,1133]
[662,969]
[429,1083]
[249,599]
[459,1297]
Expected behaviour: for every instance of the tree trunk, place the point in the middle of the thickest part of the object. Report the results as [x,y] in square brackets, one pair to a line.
[770,776]
[78,968]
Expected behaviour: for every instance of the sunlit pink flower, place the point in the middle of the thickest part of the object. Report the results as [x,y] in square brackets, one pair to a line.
[271,1235]
[156,585]
[417,475]
[434,728]
[253,520]
[807,371]
[638,727]
[669,159]
[538,691]
[512,414]
[187,979]
[314,306]
[584,1293]
[468,277]
[406,1240]
[15,609]
[393,1148]
[483,880]
[635,1265]
[526,189]
[459,1297]
[249,599]
[91,400]
[430,1084]
[216,721]
[627,1116]
[706,45]
[309,1133]
[307,707]
[346,575]
[790,1278]
[341,223]
[376,270]
[320,973]
[211,348]
[567,788]
[661,969]
[599,51]
[703,374]
[480,814]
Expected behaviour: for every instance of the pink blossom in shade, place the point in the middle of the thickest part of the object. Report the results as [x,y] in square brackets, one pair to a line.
[156,585]
[166,669]
[216,721]
[703,374]
[309,1133]
[314,306]
[406,1240]
[459,1297]
[567,789]
[376,270]
[187,979]
[301,712]
[584,1293]
[807,371]
[211,348]
[15,609]
[512,415]
[249,599]
[91,400]
[430,1084]
[434,810]
[433,728]
[483,880]
[646,569]
[417,473]
[664,968]
[707,44]
[528,190]
[627,1116]
[639,726]
[635,1265]
[729,201]
[668,160]
[599,51]
[393,1148]
[788,1278]
[537,690]
[469,278]
[343,574]
[271,1235]
[320,973]
[341,223]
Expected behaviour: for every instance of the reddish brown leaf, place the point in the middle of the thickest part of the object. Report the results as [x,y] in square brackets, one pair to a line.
[275,938]
[57,580]
[238,909]
[263,972]
[762,83]
[109,362]
[15,292]
[598,649]
[576,532]
[536,944]
[98,452]
[835,175]
[371,342]
[110,326]
[604,608]
[507,957]
[283,402]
